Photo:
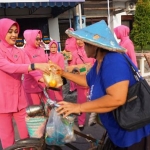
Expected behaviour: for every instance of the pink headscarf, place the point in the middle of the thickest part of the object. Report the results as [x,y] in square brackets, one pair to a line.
[30,37]
[5,25]
[70,44]
[122,31]
[71,29]
[57,58]
[27,35]
[53,41]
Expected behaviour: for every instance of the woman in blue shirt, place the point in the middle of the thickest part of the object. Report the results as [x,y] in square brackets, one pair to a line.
[109,80]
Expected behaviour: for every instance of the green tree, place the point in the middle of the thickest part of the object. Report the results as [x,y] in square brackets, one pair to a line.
[140,33]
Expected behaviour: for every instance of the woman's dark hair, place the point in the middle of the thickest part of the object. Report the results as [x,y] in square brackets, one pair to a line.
[101,50]
[98,49]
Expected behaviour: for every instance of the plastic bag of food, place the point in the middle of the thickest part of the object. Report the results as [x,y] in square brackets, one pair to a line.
[53,79]
[59,130]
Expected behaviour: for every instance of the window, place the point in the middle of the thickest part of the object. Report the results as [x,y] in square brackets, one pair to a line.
[33,23]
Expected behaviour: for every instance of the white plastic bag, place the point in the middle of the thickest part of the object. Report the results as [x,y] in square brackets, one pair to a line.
[59,130]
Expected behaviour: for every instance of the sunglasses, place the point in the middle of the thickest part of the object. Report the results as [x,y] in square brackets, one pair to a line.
[38,39]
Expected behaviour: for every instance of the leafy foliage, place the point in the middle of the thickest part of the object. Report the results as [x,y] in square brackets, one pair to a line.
[140,33]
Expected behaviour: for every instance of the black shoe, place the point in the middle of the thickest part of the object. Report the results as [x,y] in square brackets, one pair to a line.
[93,123]
[75,90]
[70,92]
[81,127]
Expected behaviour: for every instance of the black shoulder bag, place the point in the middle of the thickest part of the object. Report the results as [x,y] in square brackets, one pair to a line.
[135,113]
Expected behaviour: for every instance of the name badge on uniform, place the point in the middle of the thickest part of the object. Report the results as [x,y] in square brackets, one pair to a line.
[15,56]
[35,56]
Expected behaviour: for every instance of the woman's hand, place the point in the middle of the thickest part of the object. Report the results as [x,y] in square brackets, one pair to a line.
[58,68]
[41,80]
[67,108]
[45,67]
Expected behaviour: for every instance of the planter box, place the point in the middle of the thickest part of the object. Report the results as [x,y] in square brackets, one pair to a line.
[143,64]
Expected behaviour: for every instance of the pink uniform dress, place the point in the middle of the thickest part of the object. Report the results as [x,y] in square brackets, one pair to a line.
[32,87]
[57,58]
[80,57]
[122,33]
[13,62]
[70,45]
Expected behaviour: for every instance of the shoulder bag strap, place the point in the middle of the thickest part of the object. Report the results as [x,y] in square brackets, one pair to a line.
[134,68]
[80,57]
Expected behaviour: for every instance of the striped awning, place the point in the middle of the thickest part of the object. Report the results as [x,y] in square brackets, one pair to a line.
[37,4]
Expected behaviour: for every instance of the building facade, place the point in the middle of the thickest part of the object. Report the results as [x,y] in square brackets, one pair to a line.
[53,18]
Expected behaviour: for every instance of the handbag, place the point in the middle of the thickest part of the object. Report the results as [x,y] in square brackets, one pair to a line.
[135,113]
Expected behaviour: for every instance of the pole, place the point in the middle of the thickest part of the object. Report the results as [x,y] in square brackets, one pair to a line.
[70,24]
[80,15]
[108,18]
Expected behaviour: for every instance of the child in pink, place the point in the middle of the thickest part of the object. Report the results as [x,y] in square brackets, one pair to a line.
[122,33]
[70,45]
[80,57]
[32,85]
[58,59]
[13,63]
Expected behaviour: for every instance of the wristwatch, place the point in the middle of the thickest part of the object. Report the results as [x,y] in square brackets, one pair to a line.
[32,67]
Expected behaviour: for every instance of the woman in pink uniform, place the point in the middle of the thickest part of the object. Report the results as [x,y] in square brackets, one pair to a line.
[13,63]
[70,45]
[122,33]
[57,58]
[80,57]
[32,85]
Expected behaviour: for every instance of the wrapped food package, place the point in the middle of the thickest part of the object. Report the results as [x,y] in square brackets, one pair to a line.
[53,79]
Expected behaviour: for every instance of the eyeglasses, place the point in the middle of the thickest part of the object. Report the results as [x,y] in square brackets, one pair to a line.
[38,39]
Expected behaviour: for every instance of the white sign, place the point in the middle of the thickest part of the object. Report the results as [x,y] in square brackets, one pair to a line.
[16,1]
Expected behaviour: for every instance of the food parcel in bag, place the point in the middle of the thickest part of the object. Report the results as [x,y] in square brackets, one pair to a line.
[67,55]
[59,130]
[83,68]
[53,79]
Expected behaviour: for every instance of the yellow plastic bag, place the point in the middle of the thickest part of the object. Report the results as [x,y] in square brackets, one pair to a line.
[53,79]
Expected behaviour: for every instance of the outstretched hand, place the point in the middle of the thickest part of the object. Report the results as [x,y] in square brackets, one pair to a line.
[58,68]
[45,67]
[67,108]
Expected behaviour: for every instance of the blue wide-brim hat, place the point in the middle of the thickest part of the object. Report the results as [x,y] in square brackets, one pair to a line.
[99,35]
